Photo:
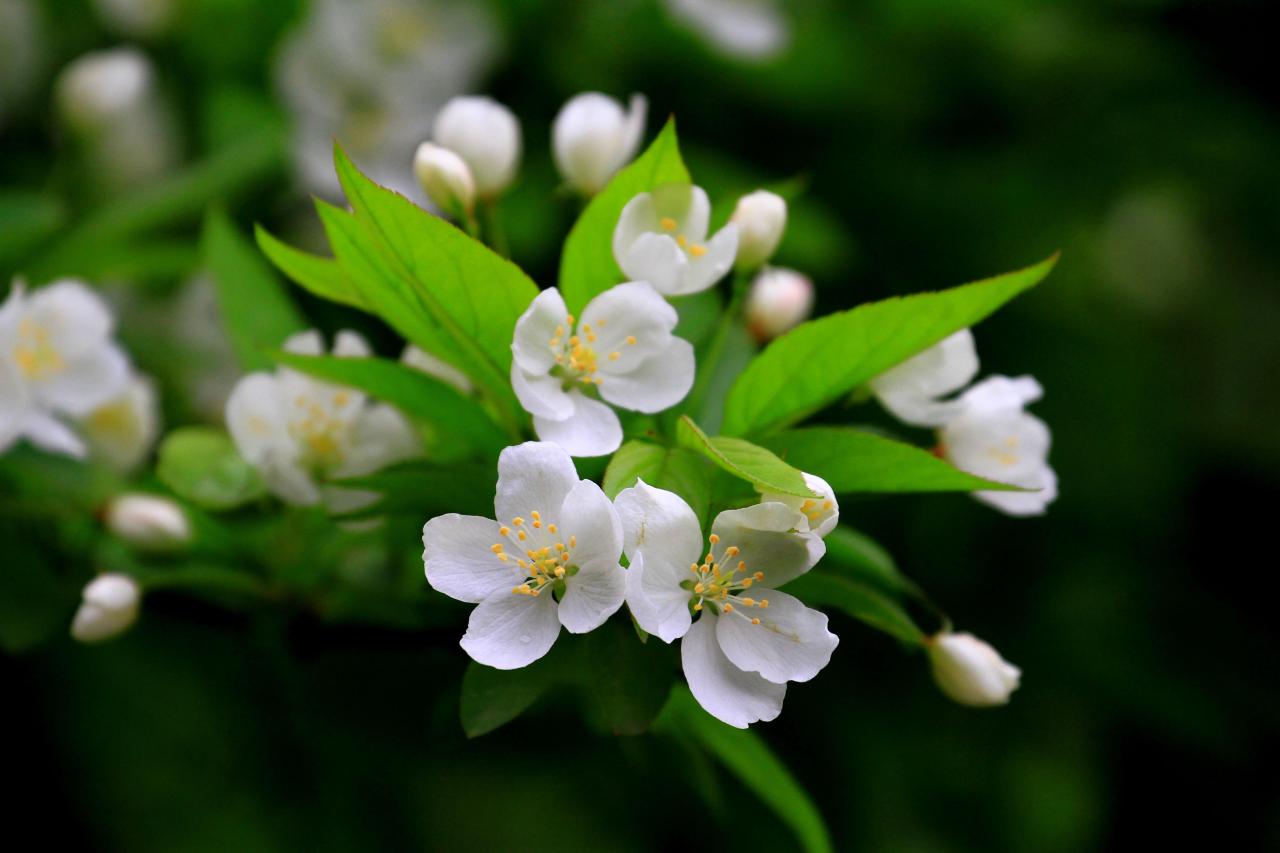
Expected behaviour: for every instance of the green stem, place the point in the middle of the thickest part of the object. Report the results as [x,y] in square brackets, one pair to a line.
[491,222]
[710,361]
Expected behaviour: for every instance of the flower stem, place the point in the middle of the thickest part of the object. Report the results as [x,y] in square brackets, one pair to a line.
[491,225]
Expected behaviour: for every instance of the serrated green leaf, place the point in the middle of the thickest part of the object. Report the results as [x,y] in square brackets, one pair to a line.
[675,469]
[413,392]
[587,267]
[201,464]
[493,697]
[855,461]
[746,755]
[324,277]
[745,460]
[863,602]
[818,362]
[256,313]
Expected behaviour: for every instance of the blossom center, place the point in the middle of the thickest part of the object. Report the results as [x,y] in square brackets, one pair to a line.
[576,358]
[1005,454]
[720,581]
[694,250]
[547,554]
[320,430]
[814,509]
[34,353]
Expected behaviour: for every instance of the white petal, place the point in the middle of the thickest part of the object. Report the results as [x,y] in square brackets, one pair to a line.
[588,516]
[712,266]
[656,600]
[695,217]
[911,391]
[1007,445]
[1025,503]
[767,538]
[657,259]
[633,130]
[535,329]
[459,561]
[381,436]
[255,419]
[305,343]
[592,595]
[85,382]
[724,691]
[662,525]
[533,476]
[122,431]
[791,643]
[542,395]
[592,430]
[657,383]
[630,311]
[49,433]
[349,344]
[638,217]
[822,513]
[508,631]
[75,318]
[287,479]
[1001,393]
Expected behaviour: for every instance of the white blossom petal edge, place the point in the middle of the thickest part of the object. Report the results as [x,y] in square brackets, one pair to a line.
[913,390]
[562,568]
[661,238]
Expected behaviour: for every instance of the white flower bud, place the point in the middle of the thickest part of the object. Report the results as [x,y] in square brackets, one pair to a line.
[104,87]
[109,607]
[761,218]
[486,135]
[148,522]
[593,137]
[970,671]
[780,299]
[445,178]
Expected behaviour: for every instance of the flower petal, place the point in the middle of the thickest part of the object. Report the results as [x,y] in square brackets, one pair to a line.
[656,600]
[458,558]
[531,344]
[255,419]
[305,343]
[768,540]
[508,631]
[49,433]
[911,391]
[632,320]
[706,270]
[660,524]
[791,643]
[633,130]
[1025,503]
[349,344]
[381,436]
[589,516]
[592,430]
[592,595]
[821,513]
[657,383]
[85,382]
[541,395]
[657,259]
[75,318]
[639,216]
[724,691]
[533,476]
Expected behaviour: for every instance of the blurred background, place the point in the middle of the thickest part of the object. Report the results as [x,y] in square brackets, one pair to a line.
[933,142]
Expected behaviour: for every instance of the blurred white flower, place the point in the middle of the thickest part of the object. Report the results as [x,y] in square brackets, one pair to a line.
[373,75]
[970,671]
[437,368]
[486,135]
[992,436]
[136,18]
[121,432]
[110,100]
[780,299]
[623,348]
[761,218]
[149,522]
[749,639]
[21,43]
[913,390]
[109,607]
[562,569]
[593,137]
[446,179]
[57,358]
[299,431]
[821,513]
[661,238]
[753,30]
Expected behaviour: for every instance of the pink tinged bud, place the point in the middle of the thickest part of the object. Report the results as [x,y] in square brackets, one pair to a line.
[780,299]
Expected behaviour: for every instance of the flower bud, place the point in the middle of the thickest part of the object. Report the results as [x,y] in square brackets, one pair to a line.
[780,299]
[970,671]
[108,608]
[593,138]
[148,522]
[761,218]
[445,178]
[486,135]
[104,87]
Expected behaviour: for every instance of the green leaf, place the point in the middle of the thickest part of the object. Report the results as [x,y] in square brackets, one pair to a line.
[324,277]
[672,468]
[413,392]
[422,489]
[745,460]
[493,697]
[627,682]
[201,464]
[855,461]
[472,293]
[35,602]
[818,362]
[862,558]
[26,219]
[587,267]
[746,755]
[256,313]
[861,601]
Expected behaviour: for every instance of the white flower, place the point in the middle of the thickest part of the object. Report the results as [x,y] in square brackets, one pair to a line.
[749,639]
[622,349]
[551,558]
[122,431]
[109,607]
[970,671]
[485,134]
[445,178]
[299,431]
[780,299]
[593,138]
[149,522]
[913,390]
[754,30]
[993,437]
[436,368]
[761,218]
[821,514]
[58,359]
[661,238]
